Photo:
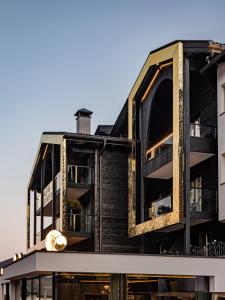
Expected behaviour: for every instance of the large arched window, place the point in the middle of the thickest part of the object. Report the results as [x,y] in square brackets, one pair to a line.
[161,114]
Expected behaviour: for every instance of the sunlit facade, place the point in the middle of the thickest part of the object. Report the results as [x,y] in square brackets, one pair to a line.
[140,203]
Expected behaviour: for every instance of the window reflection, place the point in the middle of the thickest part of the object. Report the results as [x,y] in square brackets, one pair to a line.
[82,286]
[39,288]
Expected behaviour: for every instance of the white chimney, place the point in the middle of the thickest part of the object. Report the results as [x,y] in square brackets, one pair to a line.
[83,121]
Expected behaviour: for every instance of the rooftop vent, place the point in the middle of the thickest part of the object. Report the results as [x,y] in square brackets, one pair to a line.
[83,121]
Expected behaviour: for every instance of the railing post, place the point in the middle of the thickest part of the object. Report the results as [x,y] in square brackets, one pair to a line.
[76,174]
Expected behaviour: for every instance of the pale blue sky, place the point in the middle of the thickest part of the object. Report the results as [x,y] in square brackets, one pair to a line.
[59,56]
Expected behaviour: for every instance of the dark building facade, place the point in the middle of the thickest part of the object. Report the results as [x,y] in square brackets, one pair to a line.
[140,203]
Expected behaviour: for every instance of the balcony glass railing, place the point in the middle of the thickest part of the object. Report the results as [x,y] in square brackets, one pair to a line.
[38,201]
[196,130]
[48,192]
[57,182]
[79,223]
[38,237]
[57,224]
[79,174]
[161,206]
[203,200]
[160,147]
[203,131]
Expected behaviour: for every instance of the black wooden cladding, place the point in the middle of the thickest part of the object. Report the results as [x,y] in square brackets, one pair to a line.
[115,204]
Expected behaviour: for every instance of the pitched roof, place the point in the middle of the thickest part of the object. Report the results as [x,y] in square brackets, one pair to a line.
[103,130]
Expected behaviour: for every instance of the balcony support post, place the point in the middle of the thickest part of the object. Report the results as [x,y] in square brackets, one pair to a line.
[186,174]
[28,218]
[35,212]
[53,187]
[43,163]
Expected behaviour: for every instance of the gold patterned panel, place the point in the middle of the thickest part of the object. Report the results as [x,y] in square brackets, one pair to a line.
[174,52]
[63,189]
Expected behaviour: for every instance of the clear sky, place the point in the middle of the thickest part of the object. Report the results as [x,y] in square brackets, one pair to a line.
[59,56]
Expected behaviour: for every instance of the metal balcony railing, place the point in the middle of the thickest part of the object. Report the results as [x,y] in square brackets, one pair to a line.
[203,200]
[215,248]
[79,174]
[161,206]
[79,223]
[203,131]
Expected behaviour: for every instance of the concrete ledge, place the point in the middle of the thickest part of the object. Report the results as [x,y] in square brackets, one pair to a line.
[72,262]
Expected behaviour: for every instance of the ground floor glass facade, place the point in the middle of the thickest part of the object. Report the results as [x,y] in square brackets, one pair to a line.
[78,286]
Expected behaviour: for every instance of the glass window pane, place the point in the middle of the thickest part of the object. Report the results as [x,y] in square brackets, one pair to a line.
[46,287]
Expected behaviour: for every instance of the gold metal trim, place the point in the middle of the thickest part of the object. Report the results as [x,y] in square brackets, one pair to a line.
[45,152]
[161,67]
[63,188]
[174,52]
[158,144]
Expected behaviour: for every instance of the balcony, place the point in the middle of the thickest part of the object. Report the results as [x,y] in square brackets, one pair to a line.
[159,157]
[79,226]
[203,131]
[160,207]
[48,196]
[79,174]
[215,248]
[203,205]
[47,230]
[79,181]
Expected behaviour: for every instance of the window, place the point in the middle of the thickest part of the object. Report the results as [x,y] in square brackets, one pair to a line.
[222,169]
[39,288]
[5,291]
[221,99]
[196,195]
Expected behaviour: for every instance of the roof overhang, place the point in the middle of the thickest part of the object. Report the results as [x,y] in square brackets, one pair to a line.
[73,262]
[57,138]
[45,139]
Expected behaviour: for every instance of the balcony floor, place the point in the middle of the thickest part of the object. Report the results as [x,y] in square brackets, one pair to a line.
[196,219]
[166,170]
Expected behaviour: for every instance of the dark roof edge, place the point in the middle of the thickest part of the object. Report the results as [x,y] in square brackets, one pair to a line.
[120,118]
[217,59]
[96,138]
[182,41]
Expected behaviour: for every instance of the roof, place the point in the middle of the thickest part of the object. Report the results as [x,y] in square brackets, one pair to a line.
[192,44]
[209,71]
[120,120]
[58,137]
[214,62]
[6,263]
[103,130]
[83,112]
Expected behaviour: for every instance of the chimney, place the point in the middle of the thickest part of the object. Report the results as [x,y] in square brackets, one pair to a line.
[83,120]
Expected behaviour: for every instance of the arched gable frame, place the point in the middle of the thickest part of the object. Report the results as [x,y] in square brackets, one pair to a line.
[160,57]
